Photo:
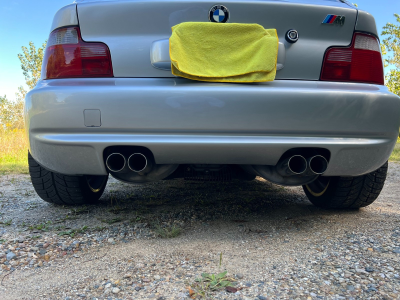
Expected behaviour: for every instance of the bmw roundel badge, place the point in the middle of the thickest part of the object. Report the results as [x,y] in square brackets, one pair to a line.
[218,14]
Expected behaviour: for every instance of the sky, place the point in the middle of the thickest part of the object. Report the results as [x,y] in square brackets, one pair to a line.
[22,21]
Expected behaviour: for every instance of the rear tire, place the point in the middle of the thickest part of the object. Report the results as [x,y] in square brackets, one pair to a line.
[65,189]
[346,192]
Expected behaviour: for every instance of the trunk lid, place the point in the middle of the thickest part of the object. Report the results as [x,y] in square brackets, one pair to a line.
[131,27]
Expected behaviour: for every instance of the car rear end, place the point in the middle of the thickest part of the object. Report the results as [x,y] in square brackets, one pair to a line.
[107,94]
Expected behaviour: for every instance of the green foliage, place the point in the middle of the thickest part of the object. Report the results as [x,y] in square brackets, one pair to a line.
[211,282]
[11,111]
[6,223]
[11,114]
[395,156]
[31,63]
[168,232]
[112,221]
[45,226]
[391,42]
[73,232]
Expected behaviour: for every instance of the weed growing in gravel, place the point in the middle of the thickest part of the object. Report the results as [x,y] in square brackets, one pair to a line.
[117,209]
[136,219]
[80,210]
[2,241]
[99,228]
[208,283]
[6,223]
[168,232]
[45,226]
[112,221]
[73,232]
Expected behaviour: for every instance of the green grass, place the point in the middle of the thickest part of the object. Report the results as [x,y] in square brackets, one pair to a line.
[396,152]
[14,152]
[168,232]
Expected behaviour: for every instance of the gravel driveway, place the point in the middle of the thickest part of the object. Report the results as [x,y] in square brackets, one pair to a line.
[153,241]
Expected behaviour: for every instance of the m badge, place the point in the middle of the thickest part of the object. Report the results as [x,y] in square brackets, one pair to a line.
[334,19]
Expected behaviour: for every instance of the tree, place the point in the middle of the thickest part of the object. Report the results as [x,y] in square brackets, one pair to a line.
[11,114]
[31,63]
[11,111]
[391,43]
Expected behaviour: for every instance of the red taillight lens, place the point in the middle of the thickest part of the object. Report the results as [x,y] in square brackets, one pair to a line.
[68,56]
[361,62]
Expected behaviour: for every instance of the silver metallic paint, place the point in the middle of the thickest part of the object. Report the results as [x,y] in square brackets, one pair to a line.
[66,16]
[366,23]
[130,27]
[183,121]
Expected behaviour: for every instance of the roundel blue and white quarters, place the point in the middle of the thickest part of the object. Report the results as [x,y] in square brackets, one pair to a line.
[218,14]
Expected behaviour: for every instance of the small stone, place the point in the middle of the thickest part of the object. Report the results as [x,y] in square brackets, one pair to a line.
[361,271]
[35,249]
[138,288]
[396,250]
[115,290]
[110,240]
[157,277]
[369,269]
[128,275]
[11,255]
[239,276]
[231,289]
[261,297]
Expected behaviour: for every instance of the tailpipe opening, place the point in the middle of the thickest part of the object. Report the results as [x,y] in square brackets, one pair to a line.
[116,162]
[294,165]
[317,165]
[138,162]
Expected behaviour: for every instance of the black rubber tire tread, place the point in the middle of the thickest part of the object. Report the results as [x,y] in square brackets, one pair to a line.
[351,192]
[61,189]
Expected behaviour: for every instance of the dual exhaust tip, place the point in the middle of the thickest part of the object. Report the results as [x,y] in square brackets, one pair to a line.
[136,162]
[299,165]
[294,165]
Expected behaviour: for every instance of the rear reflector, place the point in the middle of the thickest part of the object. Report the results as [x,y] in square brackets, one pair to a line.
[361,62]
[68,56]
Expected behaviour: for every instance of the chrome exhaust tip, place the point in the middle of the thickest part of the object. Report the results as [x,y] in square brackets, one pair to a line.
[116,162]
[138,162]
[317,165]
[294,165]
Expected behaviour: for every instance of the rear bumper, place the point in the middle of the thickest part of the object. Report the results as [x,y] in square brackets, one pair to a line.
[182,121]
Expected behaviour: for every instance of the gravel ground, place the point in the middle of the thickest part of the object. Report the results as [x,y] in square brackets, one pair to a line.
[153,241]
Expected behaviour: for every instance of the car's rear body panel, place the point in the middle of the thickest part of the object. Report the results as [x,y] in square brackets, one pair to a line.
[182,121]
[130,27]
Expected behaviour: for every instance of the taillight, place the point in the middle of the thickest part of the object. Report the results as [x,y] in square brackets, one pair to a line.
[68,56]
[361,62]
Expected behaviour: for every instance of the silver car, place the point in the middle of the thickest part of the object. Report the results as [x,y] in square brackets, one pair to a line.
[107,103]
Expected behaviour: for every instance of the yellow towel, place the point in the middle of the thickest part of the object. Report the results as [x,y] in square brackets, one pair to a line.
[222,52]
